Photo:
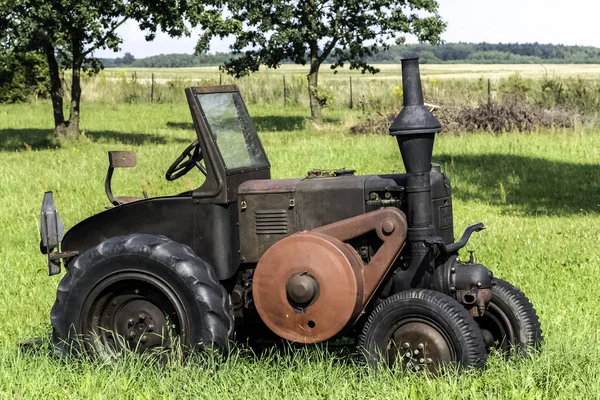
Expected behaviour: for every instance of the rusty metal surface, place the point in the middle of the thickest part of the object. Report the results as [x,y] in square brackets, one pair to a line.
[336,268]
[321,173]
[418,344]
[298,309]
[215,89]
[390,226]
[122,159]
[268,186]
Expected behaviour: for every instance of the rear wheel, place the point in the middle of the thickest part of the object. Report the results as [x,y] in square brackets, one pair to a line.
[510,321]
[422,329]
[140,292]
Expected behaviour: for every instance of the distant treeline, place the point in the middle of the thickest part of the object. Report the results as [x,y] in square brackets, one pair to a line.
[488,53]
[472,53]
[167,60]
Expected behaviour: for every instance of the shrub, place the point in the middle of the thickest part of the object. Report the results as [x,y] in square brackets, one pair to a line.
[510,115]
[23,76]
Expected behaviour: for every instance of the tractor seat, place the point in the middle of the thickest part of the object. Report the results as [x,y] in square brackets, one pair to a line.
[120,159]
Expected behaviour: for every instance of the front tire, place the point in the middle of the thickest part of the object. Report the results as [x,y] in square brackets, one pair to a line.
[510,321]
[140,292]
[423,329]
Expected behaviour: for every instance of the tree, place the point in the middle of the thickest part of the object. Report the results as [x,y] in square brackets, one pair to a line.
[128,59]
[69,31]
[22,76]
[309,31]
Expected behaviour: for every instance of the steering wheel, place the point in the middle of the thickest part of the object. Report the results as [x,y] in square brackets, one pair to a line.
[192,156]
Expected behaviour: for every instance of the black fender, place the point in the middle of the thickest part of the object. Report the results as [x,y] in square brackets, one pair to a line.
[209,229]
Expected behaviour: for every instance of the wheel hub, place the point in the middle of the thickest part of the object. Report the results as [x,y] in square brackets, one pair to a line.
[419,345]
[137,320]
[497,329]
[302,290]
[131,314]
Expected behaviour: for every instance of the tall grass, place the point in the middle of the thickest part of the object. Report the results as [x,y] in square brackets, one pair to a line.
[370,94]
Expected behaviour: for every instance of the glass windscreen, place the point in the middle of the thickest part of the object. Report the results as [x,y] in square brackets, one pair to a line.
[232,128]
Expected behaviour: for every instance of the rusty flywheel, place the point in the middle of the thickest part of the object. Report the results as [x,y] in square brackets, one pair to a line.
[308,286]
[311,285]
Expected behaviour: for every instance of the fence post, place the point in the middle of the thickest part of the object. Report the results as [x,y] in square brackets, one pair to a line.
[351,100]
[220,79]
[489,91]
[284,92]
[152,90]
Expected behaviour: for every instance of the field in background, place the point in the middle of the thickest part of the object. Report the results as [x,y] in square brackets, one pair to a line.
[571,87]
[456,71]
[538,194]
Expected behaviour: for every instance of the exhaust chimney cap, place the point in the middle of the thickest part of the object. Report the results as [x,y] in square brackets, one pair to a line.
[414,118]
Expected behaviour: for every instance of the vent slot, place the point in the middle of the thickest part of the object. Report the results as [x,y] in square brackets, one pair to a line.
[271,222]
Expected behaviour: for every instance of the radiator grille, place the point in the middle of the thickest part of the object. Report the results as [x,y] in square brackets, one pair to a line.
[271,222]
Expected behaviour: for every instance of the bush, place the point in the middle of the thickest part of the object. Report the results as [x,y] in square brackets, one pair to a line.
[23,76]
[510,115]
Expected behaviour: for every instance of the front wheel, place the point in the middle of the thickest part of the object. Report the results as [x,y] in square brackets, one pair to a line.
[140,292]
[510,321]
[422,329]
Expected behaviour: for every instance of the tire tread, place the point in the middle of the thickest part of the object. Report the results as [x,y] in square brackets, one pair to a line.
[476,352]
[199,276]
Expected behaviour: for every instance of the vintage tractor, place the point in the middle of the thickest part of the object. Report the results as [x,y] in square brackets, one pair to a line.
[332,255]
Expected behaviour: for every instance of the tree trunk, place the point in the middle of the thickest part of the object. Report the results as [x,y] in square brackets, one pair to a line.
[316,110]
[74,111]
[56,94]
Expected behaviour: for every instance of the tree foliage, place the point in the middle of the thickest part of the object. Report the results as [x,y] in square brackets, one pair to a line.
[69,31]
[313,31]
[23,76]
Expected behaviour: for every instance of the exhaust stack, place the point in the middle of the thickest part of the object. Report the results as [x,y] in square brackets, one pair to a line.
[415,128]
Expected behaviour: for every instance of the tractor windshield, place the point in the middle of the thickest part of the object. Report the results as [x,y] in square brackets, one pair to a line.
[233,130]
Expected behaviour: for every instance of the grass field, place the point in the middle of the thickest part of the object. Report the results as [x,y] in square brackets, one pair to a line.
[572,87]
[538,194]
[388,71]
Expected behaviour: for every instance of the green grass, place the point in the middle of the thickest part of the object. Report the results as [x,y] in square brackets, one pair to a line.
[459,71]
[571,87]
[538,194]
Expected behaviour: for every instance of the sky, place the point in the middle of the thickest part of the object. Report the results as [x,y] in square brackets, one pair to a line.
[573,22]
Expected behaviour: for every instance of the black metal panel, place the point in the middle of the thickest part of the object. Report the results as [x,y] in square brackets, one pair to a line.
[234,180]
[441,198]
[265,218]
[321,201]
[209,229]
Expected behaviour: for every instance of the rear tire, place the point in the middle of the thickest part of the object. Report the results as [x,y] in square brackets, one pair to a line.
[139,292]
[423,329]
[510,321]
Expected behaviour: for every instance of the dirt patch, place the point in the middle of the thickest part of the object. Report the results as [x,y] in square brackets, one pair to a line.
[508,116]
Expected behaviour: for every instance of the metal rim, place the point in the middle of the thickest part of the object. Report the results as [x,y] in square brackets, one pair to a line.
[419,343]
[132,311]
[497,328]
